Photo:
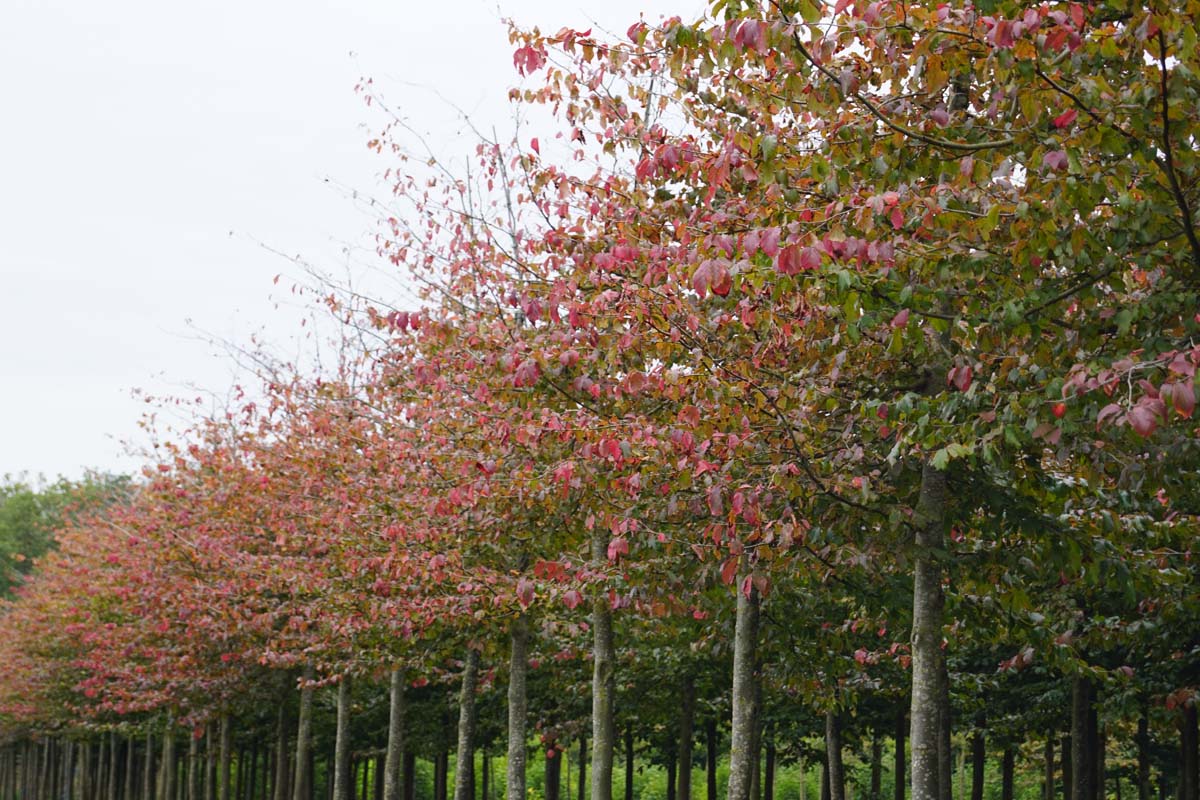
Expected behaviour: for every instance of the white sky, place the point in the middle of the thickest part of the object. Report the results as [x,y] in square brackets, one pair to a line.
[149,150]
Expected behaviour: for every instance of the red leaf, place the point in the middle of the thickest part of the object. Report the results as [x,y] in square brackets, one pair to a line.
[1142,420]
[1064,119]
[534,144]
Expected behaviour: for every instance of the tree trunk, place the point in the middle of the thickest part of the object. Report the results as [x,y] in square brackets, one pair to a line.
[629,767]
[1189,775]
[1068,778]
[553,773]
[876,765]
[280,781]
[393,784]
[1048,768]
[745,678]
[833,755]
[465,764]
[825,779]
[604,682]
[1143,758]
[1099,745]
[769,772]
[687,714]
[927,658]
[671,765]
[148,772]
[710,735]
[341,746]
[300,774]
[518,669]
[166,783]
[583,767]
[223,756]
[978,763]
[899,761]
[1082,769]
[193,771]
[410,775]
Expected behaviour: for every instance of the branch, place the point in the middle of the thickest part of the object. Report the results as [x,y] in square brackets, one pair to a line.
[1189,228]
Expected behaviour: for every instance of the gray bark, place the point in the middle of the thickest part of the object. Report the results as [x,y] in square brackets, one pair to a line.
[464,770]
[223,765]
[518,667]
[927,658]
[279,783]
[833,755]
[745,646]
[393,784]
[300,775]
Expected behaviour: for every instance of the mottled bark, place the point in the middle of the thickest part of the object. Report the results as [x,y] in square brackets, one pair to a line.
[393,784]
[193,770]
[927,658]
[745,678]
[465,762]
[341,746]
[518,668]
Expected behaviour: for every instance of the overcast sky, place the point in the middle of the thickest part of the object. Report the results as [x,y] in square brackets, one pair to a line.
[151,153]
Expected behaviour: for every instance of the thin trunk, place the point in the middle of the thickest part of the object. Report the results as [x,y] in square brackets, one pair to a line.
[978,762]
[193,768]
[223,766]
[876,765]
[240,772]
[802,768]
[604,682]
[301,776]
[279,782]
[927,658]
[1099,746]
[341,747]
[114,764]
[1048,768]
[518,668]
[899,761]
[769,773]
[1143,758]
[465,764]
[687,714]
[629,761]
[380,774]
[148,771]
[1082,769]
[745,679]
[833,755]
[582,772]
[553,773]
[1008,764]
[393,785]
[825,779]
[1068,777]
[710,759]
[486,777]
[166,781]
[671,776]
[129,770]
